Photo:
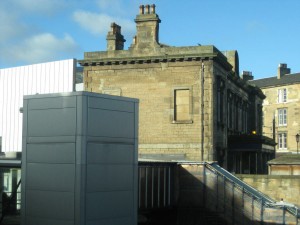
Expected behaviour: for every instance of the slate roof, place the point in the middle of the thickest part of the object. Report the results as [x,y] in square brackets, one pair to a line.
[274,81]
[288,159]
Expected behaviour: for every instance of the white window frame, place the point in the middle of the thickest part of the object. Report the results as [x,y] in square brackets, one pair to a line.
[282,117]
[282,95]
[282,141]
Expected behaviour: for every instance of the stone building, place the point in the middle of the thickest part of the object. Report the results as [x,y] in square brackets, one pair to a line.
[288,164]
[191,98]
[281,108]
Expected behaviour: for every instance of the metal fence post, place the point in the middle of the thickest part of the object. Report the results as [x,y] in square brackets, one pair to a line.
[217,206]
[252,207]
[232,204]
[152,187]
[224,195]
[146,187]
[243,206]
[204,186]
[297,211]
[140,184]
[158,186]
[283,215]
[262,212]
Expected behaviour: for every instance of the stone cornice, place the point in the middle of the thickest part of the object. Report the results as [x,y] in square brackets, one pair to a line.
[103,61]
[143,59]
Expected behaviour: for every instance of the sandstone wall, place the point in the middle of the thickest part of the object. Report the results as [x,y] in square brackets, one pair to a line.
[154,84]
[202,187]
[276,186]
[270,109]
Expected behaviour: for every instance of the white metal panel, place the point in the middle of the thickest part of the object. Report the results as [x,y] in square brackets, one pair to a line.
[51,77]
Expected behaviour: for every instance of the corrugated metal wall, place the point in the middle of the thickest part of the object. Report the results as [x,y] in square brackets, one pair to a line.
[51,77]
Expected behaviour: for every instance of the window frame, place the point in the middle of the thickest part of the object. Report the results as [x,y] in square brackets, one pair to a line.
[174,119]
[282,140]
[282,95]
[282,117]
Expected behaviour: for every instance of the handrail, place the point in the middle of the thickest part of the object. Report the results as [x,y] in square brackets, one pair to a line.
[10,199]
[266,200]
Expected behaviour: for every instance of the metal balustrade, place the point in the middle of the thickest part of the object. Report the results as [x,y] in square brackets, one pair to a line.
[241,203]
[156,185]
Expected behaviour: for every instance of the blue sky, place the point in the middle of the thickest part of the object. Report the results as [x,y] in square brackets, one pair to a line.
[264,32]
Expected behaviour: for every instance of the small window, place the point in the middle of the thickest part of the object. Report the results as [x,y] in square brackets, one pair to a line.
[282,141]
[112,91]
[282,95]
[282,117]
[182,105]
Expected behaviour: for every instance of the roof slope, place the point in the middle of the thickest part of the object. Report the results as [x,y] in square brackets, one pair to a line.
[274,81]
[287,159]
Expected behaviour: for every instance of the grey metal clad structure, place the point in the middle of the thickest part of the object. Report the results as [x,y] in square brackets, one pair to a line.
[79,163]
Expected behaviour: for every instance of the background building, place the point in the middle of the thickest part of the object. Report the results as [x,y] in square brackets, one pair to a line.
[50,77]
[281,108]
[191,98]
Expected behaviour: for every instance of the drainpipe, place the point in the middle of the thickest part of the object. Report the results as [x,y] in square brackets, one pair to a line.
[202,110]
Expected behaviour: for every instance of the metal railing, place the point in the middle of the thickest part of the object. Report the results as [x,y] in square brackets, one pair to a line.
[11,202]
[243,204]
[156,185]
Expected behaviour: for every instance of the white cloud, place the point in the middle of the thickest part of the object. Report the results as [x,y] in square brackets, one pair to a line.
[26,34]
[100,23]
[42,47]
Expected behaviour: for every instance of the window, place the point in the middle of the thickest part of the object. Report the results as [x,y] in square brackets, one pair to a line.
[220,100]
[182,105]
[282,117]
[112,91]
[282,95]
[282,141]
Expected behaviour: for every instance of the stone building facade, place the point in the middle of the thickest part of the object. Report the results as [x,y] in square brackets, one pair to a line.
[191,98]
[281,108]
[287,164]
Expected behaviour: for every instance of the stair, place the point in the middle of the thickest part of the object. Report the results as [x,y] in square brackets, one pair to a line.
[198,216]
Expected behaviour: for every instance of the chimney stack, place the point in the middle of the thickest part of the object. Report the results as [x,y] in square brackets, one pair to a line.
[115,40]
[147,25]
[282,70]
[247,75]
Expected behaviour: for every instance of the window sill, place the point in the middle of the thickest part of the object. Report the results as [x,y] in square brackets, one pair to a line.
[182,122]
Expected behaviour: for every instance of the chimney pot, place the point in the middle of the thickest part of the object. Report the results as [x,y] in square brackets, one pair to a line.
[147,7]
[153,9]
[282,70]
[282,65]
[142,7]
[247,75]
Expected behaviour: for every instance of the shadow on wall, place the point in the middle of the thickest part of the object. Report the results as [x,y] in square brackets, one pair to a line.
[206,198]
